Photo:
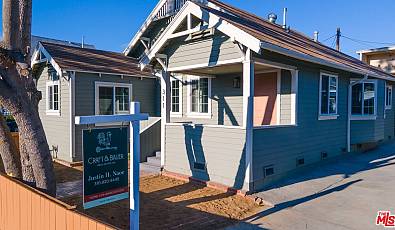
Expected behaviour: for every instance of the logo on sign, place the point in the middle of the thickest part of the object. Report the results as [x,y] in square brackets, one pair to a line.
[104,142]
[386,219]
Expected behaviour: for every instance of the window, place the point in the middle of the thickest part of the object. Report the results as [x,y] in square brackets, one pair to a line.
[199,96]
[328,96]
[53,98]
[176,97]
[388,96]
[363,96]
[112,98]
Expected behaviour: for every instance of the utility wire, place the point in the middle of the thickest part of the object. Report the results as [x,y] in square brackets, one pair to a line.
[328,38]
[371,42]
[356,41]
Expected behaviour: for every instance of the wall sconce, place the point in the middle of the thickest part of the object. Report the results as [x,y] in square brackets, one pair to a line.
[237,82]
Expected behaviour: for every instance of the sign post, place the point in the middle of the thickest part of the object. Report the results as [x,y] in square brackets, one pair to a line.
[105,154]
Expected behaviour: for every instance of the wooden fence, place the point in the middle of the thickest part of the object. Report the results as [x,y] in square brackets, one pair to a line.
[25,208]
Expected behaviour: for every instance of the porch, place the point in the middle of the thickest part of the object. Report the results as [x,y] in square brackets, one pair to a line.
[212,112]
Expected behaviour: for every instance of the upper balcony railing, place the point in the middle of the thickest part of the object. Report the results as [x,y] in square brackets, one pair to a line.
[170,8]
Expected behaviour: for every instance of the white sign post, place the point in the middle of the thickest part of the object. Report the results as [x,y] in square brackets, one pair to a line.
[134,119]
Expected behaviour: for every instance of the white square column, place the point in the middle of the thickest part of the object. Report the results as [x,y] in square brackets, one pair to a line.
[248,115]
[165,111]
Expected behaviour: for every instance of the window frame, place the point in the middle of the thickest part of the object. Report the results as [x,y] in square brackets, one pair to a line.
[189,98]
[180,96]
[113,85]
[49,111]
[364,116]
[328,116]
[388,106]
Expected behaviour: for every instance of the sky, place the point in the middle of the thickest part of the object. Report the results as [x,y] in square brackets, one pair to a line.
[111,24]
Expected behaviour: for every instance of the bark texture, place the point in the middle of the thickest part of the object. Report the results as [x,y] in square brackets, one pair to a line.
[19,95]
[8,151]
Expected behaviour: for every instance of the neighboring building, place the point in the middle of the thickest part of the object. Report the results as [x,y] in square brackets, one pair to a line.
[383,58]
[81,82]
[37,39]
[246,102]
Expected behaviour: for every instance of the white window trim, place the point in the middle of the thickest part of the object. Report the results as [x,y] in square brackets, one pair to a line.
[388,86]
[191,114]
[363,116]
[180,96]
[110,84]
[330,116]
[52,112]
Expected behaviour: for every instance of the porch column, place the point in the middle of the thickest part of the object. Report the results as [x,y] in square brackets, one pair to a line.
[248,114]
[165,111]
[294,96]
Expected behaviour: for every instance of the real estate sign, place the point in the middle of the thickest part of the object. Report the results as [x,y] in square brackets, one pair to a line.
[105,154]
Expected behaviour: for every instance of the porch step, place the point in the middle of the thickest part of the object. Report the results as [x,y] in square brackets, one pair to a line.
[148,168]
[155,161]
[158,154]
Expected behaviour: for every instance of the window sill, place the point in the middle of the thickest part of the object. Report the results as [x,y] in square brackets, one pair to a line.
[327,117]
[274,126]
[176,115]
[199,115]
[363,117]
[388,107]
[52,113]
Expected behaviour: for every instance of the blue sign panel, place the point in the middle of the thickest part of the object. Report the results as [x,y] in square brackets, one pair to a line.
[105,153]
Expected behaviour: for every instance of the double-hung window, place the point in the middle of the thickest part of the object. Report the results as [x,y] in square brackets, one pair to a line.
[112,98]
[199,93]
[53,98]
[328,96]
[176,97]
[363,99]
[388,96]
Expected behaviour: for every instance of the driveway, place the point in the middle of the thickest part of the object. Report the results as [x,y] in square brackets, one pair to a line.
[345,193]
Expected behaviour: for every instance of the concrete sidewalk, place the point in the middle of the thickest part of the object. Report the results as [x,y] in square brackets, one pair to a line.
[345,194]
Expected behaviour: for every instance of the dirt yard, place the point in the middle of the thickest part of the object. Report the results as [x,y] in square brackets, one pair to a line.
[168,203]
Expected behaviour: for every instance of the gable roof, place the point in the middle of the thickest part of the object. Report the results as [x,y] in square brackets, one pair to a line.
[78,59]
[258,32]
[292,40]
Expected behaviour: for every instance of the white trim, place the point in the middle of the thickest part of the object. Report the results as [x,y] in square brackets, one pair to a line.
[49,58]
[180,96]
[191,114]
[389,87]
[294,97]
[53,112]
[368,116]
[212,20]
[264,62]
[273,126]
[278,97]
[203,125]
[165,111]
[328,116]
[203,65]
[150,125]
[106,73]
[308,58]
[114,85]
[72,114]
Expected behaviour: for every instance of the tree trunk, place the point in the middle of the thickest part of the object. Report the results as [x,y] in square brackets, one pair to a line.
[8,151]
[27,168]
[35,142]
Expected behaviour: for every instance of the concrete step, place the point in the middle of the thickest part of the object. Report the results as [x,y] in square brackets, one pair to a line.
[153,161]
[158,154]
[149,168]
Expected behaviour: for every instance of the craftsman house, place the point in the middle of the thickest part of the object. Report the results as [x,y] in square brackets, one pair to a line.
[77,81]
[246,101]
[383,58]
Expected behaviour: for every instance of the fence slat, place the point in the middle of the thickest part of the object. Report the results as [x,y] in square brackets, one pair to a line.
[92,225]
[52,216]
[35,211]
[84,223]
[45,214]
[60,218]
[23,209]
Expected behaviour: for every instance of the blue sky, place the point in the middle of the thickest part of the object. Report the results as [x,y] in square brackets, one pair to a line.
[110,24]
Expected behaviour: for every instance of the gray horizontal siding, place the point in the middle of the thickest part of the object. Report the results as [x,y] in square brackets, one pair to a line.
[222,149]
[281,147]
[285,97]
[57,128]
[389,126]
[203,51]
[144,90]
[371,130]
[226,102]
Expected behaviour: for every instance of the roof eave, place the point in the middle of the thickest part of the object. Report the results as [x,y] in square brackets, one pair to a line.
[299,56]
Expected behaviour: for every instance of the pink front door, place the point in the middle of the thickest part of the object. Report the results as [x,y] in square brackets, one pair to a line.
[265,99]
